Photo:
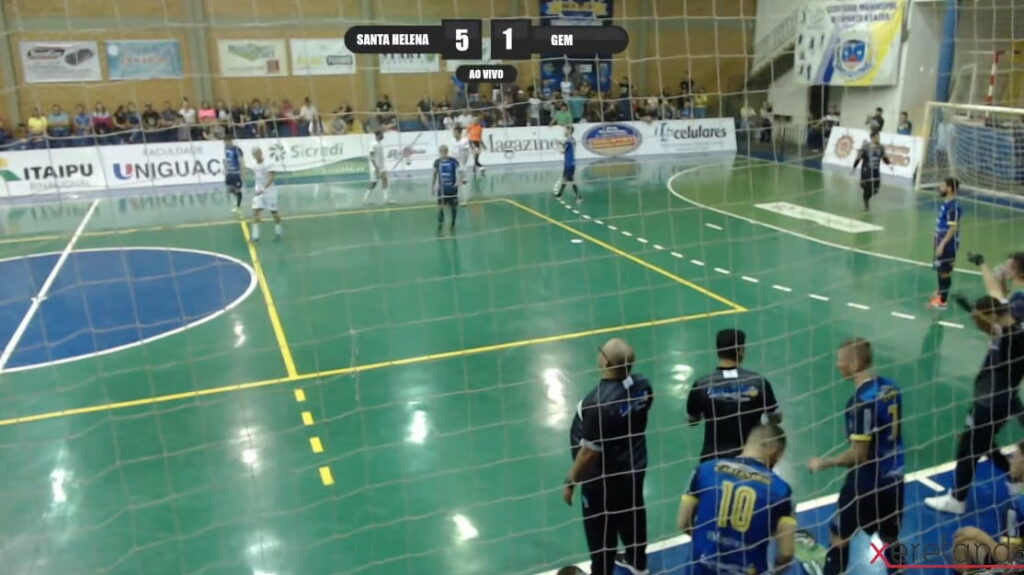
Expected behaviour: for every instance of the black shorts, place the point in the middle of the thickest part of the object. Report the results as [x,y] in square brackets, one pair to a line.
[568,173]
[233,181]
[448,200]
[476,146]
[878,510]
[870,186]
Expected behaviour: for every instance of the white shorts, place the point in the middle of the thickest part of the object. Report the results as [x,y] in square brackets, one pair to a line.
[265,201]
[374,176]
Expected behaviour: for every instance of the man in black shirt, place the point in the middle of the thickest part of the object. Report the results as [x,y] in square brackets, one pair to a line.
[609,449]
[150,122]
[870,158]
[731,400]
[995,398]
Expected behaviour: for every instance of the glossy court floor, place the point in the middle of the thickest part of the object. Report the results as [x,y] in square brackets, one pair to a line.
[387,401]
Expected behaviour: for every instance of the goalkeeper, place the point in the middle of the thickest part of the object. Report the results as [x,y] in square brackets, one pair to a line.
[995,398]
[1005,282]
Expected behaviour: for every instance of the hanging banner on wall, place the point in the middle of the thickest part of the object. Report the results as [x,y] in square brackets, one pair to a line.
[142,59]
[45,62]
[247,58]
[850,43]
[321,57]
[409,63]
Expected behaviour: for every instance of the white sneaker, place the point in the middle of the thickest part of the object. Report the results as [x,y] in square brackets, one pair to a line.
[621,561]
[947,504]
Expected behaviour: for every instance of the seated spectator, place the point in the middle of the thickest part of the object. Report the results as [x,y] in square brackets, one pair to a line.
[273,119]
[82,127]
[667,106]
[59,125]
[207,113]
[650,109]
[519,108]
[237,122]
[102,123]
[904,126]
[246,127]
[151,123]
[134,124]
[309,119]
[258,118]
[189,119]
[386,119]
[4,137]
[37,126]
[585,90]
[700,104]
[289,125]
[121,127]
[426,112]
[20,140]
[168,124]
[347,115]
[611,109]
[223,114]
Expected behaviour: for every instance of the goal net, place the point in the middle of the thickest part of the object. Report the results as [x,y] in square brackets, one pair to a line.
[982,146]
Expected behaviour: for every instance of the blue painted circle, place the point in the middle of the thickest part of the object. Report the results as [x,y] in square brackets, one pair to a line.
[108,299]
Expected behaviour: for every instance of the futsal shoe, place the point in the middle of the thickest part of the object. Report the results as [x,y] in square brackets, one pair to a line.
[621,561]
[936,303]
[946,503]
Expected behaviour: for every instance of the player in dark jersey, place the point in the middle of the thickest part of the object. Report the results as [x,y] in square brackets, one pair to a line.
[569,165]
[972,546]
[1005,282]
[446,187]
[731,400]
[947,240]
[870,158]
[871,498]
[609,450]
[233,163]
[735,506]
[995,398]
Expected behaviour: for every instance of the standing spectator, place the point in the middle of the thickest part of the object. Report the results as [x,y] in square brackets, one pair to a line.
[533,108]
[609,450]
[876,122]
[576,105]
[102,123]
[562,116]
[288,117]
[611,109]
[237,121]
[426,109]
[309,118]
[151,123]
[625,105]
[700,104]
[460,92]
[189,119]
[731,400]
[686,85]
[168,123]
[519,108]
[4,137]
[904,127]
[247,127]
[472,93]
[59,125]
[223,115]
[37,125]
[831,120]
[666,106]
[207,113]
[258,118]
[566,86]
[134,123]
[767,119]
[83,127]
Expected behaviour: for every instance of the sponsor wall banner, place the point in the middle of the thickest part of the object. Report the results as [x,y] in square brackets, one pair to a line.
[321,57]
[74,170]
[245,58]
[409,63]
[904,151]
[850,42]
[452,65]
[46,62]
[142,59]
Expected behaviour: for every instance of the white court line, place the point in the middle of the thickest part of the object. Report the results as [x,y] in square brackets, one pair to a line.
[659,247]
[818,297]
[751,280]
[627,233]
[902,315]
[723,271]
[697,262]
[642,240]
[677,254]
[782,288]
[934,485]
[599,222]
[37,301]
[613,228]
[586,217]
[951,324]
[713,226]
[857,305]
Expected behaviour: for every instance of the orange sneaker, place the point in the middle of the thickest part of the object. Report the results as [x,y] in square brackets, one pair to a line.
[936,303]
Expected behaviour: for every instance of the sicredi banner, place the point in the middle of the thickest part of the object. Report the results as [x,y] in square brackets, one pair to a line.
[76,170]
[904,151]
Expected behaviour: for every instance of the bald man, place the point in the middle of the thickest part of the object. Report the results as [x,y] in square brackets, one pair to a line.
[609,450]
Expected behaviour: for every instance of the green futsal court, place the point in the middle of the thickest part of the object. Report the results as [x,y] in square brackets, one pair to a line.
[388,401]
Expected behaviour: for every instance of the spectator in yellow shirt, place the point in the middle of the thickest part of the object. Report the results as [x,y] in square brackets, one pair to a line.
[700,104]
[37,125]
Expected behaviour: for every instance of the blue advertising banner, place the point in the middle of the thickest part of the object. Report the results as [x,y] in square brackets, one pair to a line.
[554,69]
[143,59]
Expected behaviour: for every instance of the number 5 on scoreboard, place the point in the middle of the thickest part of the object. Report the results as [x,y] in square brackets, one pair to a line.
[463,39]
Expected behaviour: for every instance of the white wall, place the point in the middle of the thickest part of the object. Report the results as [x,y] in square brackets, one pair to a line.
[790,98]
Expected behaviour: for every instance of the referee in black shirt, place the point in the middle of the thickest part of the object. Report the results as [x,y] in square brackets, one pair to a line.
[609,450]
[731,400]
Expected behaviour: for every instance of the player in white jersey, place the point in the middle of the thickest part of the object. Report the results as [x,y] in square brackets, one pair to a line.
[265,197]
[461,148]
[378,171]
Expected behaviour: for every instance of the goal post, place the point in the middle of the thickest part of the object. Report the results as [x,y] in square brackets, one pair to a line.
[982,146]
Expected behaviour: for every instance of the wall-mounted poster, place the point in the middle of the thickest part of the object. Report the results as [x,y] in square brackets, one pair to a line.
[45,62]
[245,58]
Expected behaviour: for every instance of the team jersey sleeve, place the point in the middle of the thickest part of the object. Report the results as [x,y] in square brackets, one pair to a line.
[771,404]
[953,215]
[437,163]
[696,485]
[861,420]
[695,404]
[783,511]
[591,418]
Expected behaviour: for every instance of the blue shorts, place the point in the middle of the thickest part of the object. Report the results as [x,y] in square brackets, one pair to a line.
[233,181]
[447,200]
[568,173]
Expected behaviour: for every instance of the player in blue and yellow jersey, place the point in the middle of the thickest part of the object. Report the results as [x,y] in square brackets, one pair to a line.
[569,165]
[736,506]
[871,498]
[446,186]
[233,163]
[947,240]
[972,546]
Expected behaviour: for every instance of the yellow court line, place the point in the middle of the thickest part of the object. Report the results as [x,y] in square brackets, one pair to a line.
[699,289]
[326,477]
[268,299]
[307,418]
[357,369]
[300,395]
[316,445]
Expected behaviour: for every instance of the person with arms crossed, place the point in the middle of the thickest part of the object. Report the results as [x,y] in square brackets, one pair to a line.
[609,449]
[870,158]
[975,547]
[446,186]
[735,506]
[569,165]
[378,171]
[871,499]
[995,398]
[233,161]
[947,240]
[731,400]
[265,197]
[1005,282]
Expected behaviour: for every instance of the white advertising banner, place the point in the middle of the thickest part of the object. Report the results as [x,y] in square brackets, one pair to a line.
[321,57]
[849,42]
[904,151]
[252,58]
[46,62]
[75,170]
[409,63]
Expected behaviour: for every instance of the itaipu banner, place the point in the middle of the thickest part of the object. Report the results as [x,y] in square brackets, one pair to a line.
[850,43]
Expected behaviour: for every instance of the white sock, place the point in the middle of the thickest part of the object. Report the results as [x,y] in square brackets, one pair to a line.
[277,229]
[255,231]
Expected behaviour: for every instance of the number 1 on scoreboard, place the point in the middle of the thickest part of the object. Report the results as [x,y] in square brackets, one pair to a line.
[510,40]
